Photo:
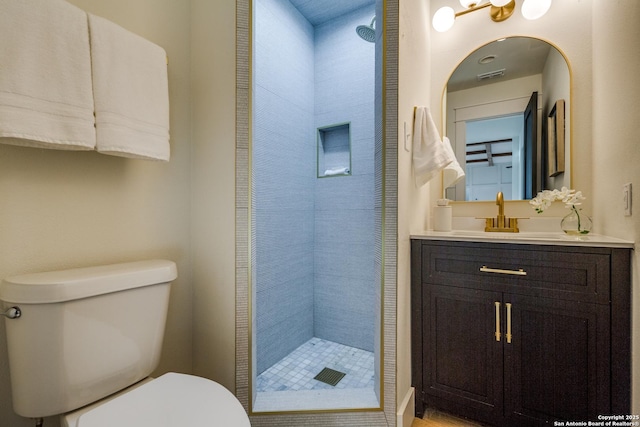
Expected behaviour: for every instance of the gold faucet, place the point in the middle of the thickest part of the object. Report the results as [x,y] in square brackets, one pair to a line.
[501,223]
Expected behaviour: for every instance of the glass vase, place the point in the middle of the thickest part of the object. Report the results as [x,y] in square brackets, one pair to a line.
[576,223]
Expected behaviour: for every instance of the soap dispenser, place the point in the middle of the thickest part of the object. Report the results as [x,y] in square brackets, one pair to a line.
[442,215]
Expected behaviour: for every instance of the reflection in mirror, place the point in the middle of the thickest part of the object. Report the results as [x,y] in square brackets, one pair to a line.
[499,107]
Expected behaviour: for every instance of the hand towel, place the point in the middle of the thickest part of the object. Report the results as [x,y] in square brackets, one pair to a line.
[452,172]
[45,75]
[430,155]
[130,90]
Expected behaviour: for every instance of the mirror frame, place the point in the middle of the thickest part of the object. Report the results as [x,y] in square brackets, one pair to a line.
[543,118]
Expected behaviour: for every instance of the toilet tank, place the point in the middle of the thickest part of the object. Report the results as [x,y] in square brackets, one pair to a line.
[84,333]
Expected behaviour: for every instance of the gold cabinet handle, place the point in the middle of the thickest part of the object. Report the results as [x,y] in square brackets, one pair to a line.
[497,304]
[519,272]
[508,322]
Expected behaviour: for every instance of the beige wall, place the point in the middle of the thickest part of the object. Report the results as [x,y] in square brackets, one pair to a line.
[413,90]
[64,209]
[616,157]
[213,192]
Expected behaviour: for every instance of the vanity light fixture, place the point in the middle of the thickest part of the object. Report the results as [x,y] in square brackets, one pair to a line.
[499,11]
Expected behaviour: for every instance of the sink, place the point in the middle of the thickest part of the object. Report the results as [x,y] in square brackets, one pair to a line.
[523,235]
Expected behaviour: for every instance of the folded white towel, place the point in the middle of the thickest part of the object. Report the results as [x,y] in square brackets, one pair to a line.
[130,90]
[45,75]
[336,171]
[452,172]
[430,155]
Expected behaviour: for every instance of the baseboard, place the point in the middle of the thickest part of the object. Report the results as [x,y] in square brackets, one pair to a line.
[407,409]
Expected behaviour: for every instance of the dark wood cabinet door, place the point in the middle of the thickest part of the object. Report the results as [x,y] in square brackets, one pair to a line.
[463,358]
[557,363]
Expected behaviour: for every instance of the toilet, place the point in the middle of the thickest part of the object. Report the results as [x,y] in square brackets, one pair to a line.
[83,342]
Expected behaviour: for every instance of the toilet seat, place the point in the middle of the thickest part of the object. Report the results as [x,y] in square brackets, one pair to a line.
[170,400]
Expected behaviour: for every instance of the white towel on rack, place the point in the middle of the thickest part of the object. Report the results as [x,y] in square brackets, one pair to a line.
[131,94]
[430,155]
[452,172]
[45,75]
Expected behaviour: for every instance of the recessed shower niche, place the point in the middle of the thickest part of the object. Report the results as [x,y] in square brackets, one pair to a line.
[315,280]
[334,150]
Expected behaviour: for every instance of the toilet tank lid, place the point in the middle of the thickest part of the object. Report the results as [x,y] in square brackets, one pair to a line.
[77,283]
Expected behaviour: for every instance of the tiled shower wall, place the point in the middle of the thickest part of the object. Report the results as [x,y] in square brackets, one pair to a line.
[314,261]
[344,215]
[283,180]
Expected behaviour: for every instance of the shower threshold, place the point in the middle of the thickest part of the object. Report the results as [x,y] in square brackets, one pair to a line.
[290,384]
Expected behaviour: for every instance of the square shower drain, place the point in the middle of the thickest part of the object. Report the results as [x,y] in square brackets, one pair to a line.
[329,376]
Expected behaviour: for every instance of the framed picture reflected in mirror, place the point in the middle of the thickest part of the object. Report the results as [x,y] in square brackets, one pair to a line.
[555,139]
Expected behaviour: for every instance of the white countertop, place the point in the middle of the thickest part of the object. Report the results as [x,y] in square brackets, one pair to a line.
[526,237]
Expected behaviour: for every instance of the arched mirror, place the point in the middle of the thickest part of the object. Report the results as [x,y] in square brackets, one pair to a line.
[508,116]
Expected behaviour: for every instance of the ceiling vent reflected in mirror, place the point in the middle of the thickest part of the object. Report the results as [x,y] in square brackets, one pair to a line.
[491,75]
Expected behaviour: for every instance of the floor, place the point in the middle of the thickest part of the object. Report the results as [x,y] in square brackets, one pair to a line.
[440,419]
[297,370]
[291,380]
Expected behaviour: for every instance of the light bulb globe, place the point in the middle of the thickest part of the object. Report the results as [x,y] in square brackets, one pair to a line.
[443,19]
[534,9]
[500,3]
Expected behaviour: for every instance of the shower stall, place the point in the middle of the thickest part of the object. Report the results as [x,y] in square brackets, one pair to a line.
[315,229]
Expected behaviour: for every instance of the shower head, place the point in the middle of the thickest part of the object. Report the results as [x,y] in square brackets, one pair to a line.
[367,32]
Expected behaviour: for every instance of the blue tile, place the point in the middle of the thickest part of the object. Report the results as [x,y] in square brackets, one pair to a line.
[297,370]
[314,237]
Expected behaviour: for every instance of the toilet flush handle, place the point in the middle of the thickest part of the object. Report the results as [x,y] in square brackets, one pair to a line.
[12,313]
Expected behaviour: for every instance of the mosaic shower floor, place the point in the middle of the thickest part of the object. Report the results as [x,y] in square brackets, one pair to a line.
[290,383]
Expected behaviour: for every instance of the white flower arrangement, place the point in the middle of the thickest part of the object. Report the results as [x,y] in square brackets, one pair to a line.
[571,198]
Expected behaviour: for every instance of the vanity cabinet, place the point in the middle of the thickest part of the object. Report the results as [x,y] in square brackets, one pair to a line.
[520,334]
